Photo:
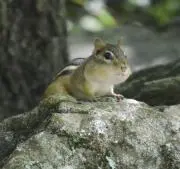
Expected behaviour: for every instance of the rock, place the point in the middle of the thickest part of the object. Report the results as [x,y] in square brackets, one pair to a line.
[159,85]
[8,142]
[104,134]
[15,129]
[171,150]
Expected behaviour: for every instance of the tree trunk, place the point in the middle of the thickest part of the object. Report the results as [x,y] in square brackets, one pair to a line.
[32,48]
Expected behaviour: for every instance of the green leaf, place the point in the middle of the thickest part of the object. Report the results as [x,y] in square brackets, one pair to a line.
[106,18]
[79,2]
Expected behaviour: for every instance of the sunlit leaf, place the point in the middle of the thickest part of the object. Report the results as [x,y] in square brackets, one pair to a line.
[79,2]
[91,23]
[164,11]
[106,18]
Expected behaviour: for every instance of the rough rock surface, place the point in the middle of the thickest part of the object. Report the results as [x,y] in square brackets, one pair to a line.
[158,85]
[99,135]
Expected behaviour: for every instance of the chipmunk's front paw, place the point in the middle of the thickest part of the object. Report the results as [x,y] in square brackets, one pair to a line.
[119,97]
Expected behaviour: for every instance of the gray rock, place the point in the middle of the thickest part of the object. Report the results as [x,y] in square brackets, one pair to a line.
[8,141]
[100,135]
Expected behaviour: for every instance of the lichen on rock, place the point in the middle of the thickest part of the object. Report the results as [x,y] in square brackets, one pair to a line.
[103,134]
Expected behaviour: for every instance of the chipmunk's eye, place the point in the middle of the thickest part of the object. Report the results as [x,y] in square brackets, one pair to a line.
[108,55]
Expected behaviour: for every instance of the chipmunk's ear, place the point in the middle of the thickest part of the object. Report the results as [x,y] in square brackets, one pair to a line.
[99,43]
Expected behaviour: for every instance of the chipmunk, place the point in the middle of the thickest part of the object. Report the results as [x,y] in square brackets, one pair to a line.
[95,76]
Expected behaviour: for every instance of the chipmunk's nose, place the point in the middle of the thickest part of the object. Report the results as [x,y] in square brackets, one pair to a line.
[123,67]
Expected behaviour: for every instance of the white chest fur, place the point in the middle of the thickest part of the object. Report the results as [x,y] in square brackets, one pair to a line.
[101,89]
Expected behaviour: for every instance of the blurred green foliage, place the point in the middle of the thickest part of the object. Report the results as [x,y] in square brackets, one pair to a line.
[156,12]
[90,15]
[106,18]
[79,2]
[165,11]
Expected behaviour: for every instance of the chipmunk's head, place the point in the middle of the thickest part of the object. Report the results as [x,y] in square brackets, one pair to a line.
[111,64]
